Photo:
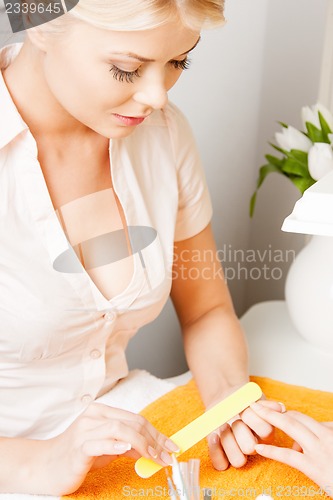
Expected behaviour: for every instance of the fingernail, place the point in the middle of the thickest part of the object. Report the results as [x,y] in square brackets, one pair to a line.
[283,408]
[171,446]
[166,458]
[215,438]
[259,447]
[122,447]
[152,452]
[256,406]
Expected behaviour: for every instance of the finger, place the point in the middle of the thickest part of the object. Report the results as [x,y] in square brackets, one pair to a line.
[97,448]
[244,437]
[234,419]
[312,424]
[217,455]
[297,447]
[160,445]
[264,430]
[309,422]
[273,405]
[141,440]
[284,455]
[231,448]
[259,426]
[162,442]
[107,412]
[328,424]
[292,423]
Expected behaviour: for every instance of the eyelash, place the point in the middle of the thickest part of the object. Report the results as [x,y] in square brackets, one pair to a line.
[129,76]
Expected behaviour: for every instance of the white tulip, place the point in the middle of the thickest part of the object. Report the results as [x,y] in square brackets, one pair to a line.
[291,138]
[320,160]
[311,115]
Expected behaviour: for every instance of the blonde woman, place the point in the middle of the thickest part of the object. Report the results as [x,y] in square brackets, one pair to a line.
[103,201]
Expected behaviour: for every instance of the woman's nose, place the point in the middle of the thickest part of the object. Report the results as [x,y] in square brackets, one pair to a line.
[152,93]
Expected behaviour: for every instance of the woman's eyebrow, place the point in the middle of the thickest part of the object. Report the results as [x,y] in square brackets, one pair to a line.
[144,59]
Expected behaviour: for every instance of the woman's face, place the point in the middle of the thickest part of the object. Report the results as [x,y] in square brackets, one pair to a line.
[110,81]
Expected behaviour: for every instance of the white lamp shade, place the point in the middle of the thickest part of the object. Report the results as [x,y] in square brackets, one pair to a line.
[313,213]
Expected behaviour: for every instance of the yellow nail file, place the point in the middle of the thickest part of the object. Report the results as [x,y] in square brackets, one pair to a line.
[213,418]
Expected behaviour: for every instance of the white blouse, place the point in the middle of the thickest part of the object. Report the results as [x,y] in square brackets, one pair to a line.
[62,341]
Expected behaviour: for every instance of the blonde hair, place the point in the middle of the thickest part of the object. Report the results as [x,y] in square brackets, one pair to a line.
[136,15]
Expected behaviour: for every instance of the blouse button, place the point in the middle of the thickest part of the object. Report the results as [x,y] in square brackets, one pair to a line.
[110,316]
[95,354]
[86,399]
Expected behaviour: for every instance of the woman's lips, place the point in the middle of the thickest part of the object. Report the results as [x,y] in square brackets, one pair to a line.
[130,120]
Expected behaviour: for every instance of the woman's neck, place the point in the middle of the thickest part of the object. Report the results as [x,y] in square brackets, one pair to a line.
[35,102]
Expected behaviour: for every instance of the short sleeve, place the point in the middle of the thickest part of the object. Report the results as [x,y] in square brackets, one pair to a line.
[194,203]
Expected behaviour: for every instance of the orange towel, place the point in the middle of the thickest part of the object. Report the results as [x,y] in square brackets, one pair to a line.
[260,475]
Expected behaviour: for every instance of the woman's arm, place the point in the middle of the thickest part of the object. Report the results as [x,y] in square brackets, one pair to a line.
[214,343]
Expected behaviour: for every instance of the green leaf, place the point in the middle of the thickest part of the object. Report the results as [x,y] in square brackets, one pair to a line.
[277,162]
[315,135]
[299,155]
[297,163]
[302,183]
[324,127]
[294,167]
[283,151]
[284,125]
[263,172]
[253,203]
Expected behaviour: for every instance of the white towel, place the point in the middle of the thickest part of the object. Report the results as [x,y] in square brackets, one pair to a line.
[136,391]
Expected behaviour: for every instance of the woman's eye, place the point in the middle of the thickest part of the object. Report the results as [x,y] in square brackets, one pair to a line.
[184,64]
[124,76]
[129,76]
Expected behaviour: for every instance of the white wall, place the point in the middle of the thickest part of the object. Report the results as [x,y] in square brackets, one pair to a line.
[290,80]
[220,95]
[326,74]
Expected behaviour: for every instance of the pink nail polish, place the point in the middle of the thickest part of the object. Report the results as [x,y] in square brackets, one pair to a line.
[256,406]
[171,446]
[152,452]
[121,447]
[215,439]
[166,458]
[283,408]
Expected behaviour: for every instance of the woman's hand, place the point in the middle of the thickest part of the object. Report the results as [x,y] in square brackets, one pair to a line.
[96,438]
[312,452]
[232,442]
